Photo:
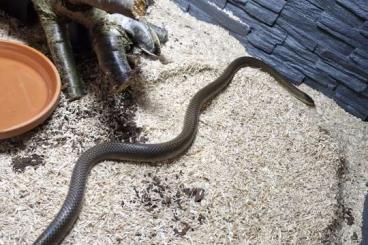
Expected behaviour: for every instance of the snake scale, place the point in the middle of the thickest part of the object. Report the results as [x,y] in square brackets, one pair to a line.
[68,214]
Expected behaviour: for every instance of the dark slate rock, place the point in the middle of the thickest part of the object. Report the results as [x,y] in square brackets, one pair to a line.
[277,33]
[221,17]
[341,13]
[263,40]
[365,93]
[364,29]
[353,100]
[362,4]
[289,55]
[319,3]
[183,4]
[242,2]
[362,52]
[323,79]
[238,9]
[242,39]
[343,102]
[339,29]
[200,14]
[304,66]
[360,57]
[260,13]
[303,37]
[288,72]
[294,45]
[306,32]
[275,6]
[302,9]
[355,7]
[239,2]
[298,19]
[255,24]
[220,3]
[260,43]
[359,60]
[325,39]
[318,86]
[364,33]
[343,63]
[346,79]
[365,26]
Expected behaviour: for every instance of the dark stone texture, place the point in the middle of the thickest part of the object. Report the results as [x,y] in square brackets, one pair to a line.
[343,63]
[317,85]
[303,37]
[220,3]
[305,66]
[298,48]
[360,58]
[183,4]
[339,29]
[302,10]
[349,81]
[353,100]
[220,17]
[200,14]
[254,24]
[322,4]
[364,29]
[302,24]
[321,43]
[358,8]
[286,70]
[342,13]
[262,14]
[275,6]
[365,93]
[264,41]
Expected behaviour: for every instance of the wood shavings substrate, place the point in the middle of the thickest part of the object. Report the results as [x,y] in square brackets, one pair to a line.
[268,167]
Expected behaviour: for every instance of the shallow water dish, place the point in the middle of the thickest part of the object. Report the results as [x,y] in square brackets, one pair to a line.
[29,88]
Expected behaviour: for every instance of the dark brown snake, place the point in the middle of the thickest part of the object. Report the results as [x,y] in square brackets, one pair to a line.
[68,214]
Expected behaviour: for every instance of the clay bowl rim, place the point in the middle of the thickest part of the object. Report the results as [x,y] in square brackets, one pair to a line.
[51,103]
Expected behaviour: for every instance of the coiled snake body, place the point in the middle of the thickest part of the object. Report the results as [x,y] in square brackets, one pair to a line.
[68,214]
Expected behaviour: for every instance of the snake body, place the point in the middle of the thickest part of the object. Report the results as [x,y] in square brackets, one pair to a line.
[68,214]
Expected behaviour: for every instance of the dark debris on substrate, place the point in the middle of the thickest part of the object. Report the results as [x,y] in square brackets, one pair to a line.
[21,31]
[157,195]
[117,110]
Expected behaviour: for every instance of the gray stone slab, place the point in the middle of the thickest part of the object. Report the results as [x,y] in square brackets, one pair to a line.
[354,101]
[346,79]
[221,17]
[359,9]
[339,29]
[275,6]
[260,13]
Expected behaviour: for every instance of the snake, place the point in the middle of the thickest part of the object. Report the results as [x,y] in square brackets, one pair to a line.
[63,222]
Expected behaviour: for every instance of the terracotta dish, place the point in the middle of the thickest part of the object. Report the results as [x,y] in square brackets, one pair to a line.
[29,88]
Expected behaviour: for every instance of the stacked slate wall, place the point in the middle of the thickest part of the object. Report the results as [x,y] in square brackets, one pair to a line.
[322,43]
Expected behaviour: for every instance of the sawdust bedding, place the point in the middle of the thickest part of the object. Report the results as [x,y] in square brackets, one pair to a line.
[263,168]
